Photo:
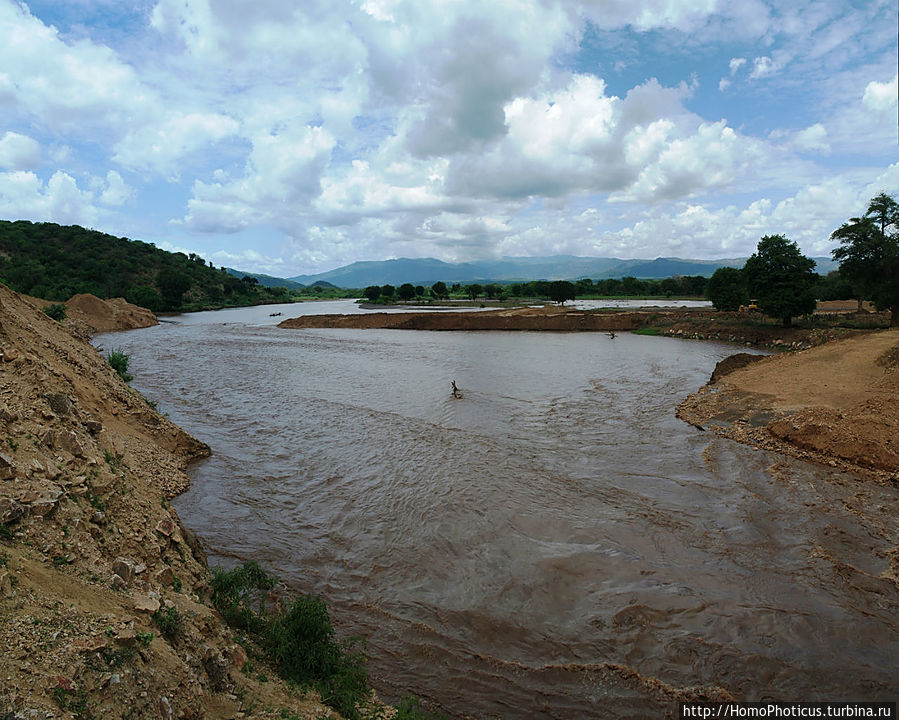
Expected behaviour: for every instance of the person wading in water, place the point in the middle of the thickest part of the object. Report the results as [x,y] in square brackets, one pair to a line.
[456,393]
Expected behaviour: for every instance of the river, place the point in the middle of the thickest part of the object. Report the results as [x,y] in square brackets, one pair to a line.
[554,543]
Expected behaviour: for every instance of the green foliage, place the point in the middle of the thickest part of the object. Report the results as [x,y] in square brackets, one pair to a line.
[169,622]
[145,638]
[299,641]
[560,291]
[119,361]
[235,592]
[57,311]
[409,708]
[727,289]
[6,532]
[372,293]
[406,291]
[474,290]
[781,278]
[54,262]
[869,253]
[439,290]
[648,331]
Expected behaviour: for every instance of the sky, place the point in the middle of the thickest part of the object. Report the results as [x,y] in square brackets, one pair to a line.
[289,138]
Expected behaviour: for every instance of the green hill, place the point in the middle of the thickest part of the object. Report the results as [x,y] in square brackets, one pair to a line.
[54,262]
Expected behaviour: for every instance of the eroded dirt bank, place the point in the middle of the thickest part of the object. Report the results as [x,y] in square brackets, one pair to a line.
[533,318]
[90,315]
[837,403]
[90,549]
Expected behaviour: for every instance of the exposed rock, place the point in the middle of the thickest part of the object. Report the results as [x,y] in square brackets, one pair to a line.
[165,709]
[8,354]
[93,427]
[166,527]
[43,507]
[126,637]
[124,568]
[10,510]
[67,440]
[59,404]
[7,467]
[164,576]
[145,604]
[117,582]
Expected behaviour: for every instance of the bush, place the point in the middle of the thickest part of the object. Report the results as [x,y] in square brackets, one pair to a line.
[169,622]
[57,311]
[234,592]
[409,708]
[299,641]
[119,360]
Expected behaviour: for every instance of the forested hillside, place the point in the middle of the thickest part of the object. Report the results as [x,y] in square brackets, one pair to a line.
[54,262]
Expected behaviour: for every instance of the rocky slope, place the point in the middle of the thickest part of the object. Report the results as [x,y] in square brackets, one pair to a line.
[836,403]
[102,610]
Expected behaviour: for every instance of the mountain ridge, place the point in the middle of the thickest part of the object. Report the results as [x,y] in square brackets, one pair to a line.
[427,271]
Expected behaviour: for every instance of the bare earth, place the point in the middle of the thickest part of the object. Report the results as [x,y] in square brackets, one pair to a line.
[90,315]
[90,549]
[837,403]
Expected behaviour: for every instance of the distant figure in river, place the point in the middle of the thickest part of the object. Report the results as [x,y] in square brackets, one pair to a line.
[456,393]
[611,334]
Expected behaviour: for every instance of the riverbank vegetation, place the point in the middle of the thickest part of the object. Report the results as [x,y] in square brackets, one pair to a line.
[300,642]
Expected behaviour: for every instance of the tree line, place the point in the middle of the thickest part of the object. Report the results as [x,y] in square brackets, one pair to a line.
[55,262]
[783,284]
[555,290]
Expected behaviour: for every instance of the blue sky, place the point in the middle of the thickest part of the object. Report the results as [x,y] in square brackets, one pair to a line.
[291,140]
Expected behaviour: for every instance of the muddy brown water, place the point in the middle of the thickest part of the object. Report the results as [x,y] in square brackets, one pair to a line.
[553,544]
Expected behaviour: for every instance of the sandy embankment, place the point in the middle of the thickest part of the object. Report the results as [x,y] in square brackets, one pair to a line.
[837,403]
[90,549]
[90,315]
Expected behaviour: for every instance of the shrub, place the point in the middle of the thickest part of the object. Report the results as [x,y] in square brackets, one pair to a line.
[235,591]
[57,311]
[169,622]
[119,361]
[409,708]
[299,641]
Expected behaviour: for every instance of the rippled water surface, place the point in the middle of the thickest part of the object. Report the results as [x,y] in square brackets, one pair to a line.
[554,544]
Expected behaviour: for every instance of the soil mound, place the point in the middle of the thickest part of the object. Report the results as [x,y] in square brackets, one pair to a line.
[835,403]
[731,363]
[108,315]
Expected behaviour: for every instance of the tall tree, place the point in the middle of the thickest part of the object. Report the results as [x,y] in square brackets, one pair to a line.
[869,254]
[781,278]
[727,288]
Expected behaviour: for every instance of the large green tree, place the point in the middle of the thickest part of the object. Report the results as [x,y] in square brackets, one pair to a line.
[727,288]
[869,254]
[781,278]
[561,290]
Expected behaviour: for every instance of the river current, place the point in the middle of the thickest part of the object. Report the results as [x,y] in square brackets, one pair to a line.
[554,543]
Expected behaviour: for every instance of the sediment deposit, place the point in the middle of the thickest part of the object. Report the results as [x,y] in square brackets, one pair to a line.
[836,403]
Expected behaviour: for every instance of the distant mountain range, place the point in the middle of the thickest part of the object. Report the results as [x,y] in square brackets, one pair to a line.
[272,281]
[427,271]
